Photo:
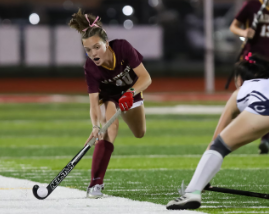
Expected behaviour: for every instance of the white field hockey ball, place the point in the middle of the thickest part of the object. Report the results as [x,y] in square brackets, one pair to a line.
[42,192]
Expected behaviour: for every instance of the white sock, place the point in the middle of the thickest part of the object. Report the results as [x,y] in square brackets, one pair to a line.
[207,168]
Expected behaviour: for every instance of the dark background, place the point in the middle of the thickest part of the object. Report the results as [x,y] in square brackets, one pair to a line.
[181,20]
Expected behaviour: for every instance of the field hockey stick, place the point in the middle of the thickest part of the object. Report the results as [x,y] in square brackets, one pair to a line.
[43,192]
[254,27]
[236,192]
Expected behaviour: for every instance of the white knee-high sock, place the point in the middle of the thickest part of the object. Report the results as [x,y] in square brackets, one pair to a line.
[207,168]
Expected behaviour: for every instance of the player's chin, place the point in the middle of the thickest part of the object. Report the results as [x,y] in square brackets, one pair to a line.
[98,61]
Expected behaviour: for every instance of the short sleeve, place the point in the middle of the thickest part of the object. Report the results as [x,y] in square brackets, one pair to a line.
[244,14]
[133,57]
[92,83]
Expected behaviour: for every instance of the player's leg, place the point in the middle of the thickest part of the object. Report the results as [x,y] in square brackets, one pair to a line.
[102,152]
[246,128]
[136,120]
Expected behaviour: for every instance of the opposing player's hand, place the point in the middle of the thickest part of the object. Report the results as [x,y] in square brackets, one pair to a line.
[95,134]
[249,33]
[126,101]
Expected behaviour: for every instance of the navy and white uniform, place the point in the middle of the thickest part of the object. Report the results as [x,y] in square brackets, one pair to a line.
[253,96]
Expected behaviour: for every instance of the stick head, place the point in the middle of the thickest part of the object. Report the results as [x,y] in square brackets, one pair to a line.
[40,192]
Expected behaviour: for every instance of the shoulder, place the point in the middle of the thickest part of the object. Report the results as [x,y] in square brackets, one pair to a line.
[250,83]
[121,47]
[119,43]
[88,63]
[256,2]
[245,88]
[253,4]
[235,94]
[232,104]
[89,66]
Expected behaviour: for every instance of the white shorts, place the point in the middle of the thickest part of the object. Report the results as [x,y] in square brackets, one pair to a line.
[137,104]
[261,108]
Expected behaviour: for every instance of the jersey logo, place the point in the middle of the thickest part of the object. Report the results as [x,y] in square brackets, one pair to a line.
[263,19]
[260,108]
[121,79]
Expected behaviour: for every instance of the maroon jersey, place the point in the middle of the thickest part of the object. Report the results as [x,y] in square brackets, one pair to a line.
[111,82]
[260,42]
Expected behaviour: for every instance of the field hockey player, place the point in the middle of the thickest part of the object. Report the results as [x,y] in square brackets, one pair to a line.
[257,40]
[244,119]
[116,77]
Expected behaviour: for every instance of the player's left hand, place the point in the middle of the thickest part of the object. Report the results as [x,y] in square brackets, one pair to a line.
[126,101]
[95,134]
[249,33]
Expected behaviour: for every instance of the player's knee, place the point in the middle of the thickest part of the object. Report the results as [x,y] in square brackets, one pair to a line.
[114,127]
[220,146]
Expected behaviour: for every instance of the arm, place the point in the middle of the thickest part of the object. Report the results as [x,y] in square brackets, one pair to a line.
[143,80]
[134,58]
[229,113]
[95,115]
[94,109]
[237,30]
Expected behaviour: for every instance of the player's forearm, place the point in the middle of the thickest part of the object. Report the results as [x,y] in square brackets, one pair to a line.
[229,113]
[142,83]
[94,114]
[224,121]
[236,29]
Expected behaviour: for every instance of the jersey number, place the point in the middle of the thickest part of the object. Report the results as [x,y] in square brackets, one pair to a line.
[125,80]
[265,31]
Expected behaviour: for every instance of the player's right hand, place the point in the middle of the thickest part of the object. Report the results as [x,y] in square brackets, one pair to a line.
[95,134]
[249,33]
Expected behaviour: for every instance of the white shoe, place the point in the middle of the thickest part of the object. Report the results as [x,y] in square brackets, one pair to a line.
[95,191]
[187,201]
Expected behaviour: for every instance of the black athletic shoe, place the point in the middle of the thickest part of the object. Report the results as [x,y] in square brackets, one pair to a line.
[264,147]
[187,201]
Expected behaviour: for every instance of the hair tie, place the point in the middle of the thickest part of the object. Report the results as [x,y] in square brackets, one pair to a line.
[93,24]
[247,58]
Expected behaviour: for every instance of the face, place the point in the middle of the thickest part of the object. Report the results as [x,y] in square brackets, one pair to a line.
[95,48]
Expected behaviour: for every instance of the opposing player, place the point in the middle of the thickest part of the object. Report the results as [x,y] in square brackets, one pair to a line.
[258,42]
[244,119]
[116,77]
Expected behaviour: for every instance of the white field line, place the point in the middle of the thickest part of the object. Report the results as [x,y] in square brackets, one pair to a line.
[230,202]
[16,198]
[252,207]
[180,109]
[246,212]
[185,109]
[124,156]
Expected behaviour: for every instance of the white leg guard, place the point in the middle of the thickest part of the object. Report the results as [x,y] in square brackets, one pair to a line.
[207,168]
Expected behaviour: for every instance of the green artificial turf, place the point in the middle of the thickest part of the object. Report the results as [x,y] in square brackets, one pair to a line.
[38,140]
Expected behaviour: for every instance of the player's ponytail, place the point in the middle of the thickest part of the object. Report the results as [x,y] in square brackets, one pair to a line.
[87,25]
[252,67]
